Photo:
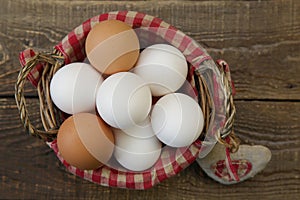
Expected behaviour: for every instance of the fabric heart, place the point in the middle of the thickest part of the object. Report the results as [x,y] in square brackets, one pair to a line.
[239,166]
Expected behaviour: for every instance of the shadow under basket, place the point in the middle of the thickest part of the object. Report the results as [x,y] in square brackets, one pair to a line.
[209,84]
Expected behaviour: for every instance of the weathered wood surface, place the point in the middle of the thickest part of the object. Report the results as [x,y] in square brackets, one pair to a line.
[259,39]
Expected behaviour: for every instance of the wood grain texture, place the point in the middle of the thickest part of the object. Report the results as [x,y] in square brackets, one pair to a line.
[259,39]
[29,169]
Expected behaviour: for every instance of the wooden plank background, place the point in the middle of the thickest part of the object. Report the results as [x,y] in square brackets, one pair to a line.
[259,39]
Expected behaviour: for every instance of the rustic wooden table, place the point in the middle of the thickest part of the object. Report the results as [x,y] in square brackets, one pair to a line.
[259,39]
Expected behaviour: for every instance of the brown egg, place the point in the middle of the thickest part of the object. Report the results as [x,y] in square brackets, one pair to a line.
[85,141]
[112,46]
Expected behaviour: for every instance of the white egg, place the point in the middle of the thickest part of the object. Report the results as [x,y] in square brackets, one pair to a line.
[140,130]
[123,100]
[136,153]
[164,67]
[177,120]
[73,88]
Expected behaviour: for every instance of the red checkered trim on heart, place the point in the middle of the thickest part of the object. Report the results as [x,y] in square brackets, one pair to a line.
[241,167]
[171,161]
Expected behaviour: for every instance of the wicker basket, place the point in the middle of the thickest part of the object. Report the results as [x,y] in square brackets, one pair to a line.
[211,82]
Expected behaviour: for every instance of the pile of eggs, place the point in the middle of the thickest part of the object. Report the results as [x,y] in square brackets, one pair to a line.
[111,101]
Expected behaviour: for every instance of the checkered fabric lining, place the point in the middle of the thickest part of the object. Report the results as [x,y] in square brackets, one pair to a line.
[171,161]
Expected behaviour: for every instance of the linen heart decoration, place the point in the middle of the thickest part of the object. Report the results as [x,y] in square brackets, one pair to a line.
[239,166]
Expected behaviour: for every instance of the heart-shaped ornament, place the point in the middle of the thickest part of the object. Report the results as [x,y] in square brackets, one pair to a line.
[236,167]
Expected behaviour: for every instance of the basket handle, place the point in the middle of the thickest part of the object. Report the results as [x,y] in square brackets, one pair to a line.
[51,63]
[227,136]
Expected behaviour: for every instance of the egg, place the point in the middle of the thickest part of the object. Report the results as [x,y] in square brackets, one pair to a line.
[123,100]
[112,46]
[73,88]
[177,120]
[85,141]
[137,148]
[140,130]
[164,67]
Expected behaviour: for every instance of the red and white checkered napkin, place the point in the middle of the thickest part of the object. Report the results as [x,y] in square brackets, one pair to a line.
[171,161]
